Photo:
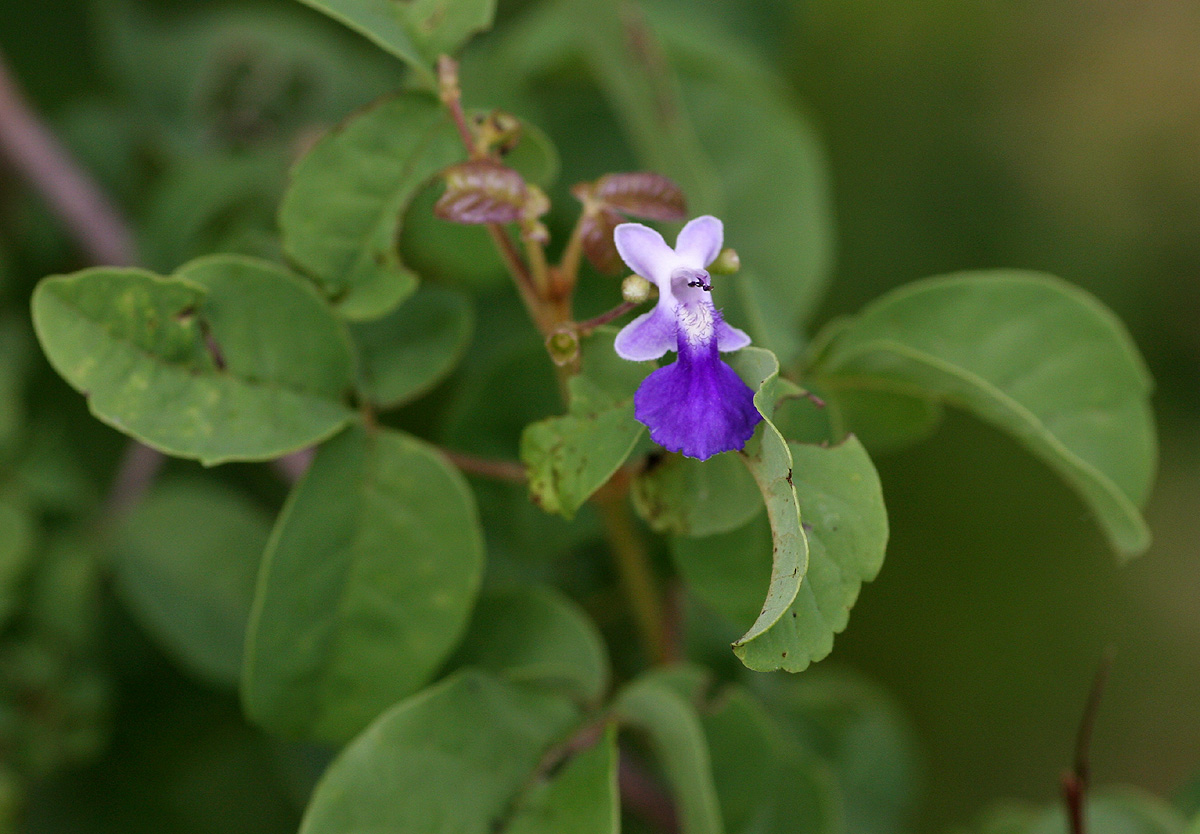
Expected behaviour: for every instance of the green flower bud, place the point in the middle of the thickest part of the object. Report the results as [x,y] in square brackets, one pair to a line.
[635,289]
[563,346]
[727,263]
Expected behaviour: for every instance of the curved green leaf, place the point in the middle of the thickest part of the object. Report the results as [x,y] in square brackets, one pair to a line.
[415,31]
[340,217]
[1030,354]
[770,462]
[407,352]
[229,359]
[366,587]
[451,758]
[844,537]
[538,635]
[673,728]
[186,558]
[842,502]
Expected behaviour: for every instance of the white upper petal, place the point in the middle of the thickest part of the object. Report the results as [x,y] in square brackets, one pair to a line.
[646,253]
[700,241]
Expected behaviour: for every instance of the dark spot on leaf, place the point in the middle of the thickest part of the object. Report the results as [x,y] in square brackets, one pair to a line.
[785,654]
[793,615]
[808,528]
[789,478]
[212,346]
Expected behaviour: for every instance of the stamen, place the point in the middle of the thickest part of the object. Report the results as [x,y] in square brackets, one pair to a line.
[700,280]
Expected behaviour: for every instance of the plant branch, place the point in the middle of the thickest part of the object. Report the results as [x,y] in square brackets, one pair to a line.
[451,96]
[566,274]
[621,309]
[1075,783]
[633,567]
[97,227]
[497,470]
[642,797]
[42,160]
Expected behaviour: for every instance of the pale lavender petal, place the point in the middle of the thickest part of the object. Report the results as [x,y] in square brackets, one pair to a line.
[648,336]
[700,241]
[645,252]
[697,405]
[731,338]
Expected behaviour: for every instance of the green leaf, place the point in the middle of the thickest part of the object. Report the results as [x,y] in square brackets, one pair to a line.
[407,352]
[741,740]
[728,571]
[582,799]
[687,497]
[842,501]
[451,758]
[536,634]
[856,729]
[568,458]
[186,558]
[629,65]
[340,217]
[677,739]
[229,359]
[17,537]
[366,587]
[415,31]
[882,420]
[212,203]
[766,783]
[1108,811]
[770,462]
[814,577]
[1032,355]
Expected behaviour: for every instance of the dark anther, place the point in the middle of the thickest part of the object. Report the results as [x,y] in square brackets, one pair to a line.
[701,281]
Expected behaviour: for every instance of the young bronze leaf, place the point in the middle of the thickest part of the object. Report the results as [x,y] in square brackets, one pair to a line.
[482,191]
[642,194]
[597,234]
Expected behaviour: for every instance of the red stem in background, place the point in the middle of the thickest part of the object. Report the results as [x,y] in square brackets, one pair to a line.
[642,797]
[1075,782]
[41,159]
[95,224]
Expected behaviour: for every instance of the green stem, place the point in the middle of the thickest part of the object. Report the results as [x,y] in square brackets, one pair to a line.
[633,568]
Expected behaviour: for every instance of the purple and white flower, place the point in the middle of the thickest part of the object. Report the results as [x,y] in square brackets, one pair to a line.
[697,405]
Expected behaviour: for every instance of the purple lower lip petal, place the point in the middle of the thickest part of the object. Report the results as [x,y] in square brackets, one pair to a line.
[697,405]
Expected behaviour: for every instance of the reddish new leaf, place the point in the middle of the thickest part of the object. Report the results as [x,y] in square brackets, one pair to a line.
[481,191]
[642,194]
[598,243]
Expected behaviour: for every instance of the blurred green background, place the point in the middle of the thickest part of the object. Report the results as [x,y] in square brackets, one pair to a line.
[1057,135]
